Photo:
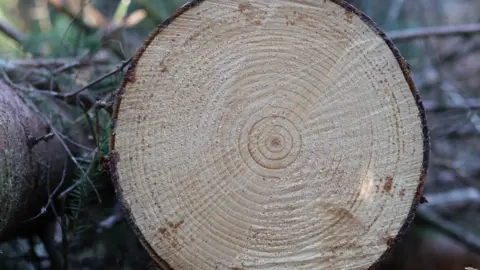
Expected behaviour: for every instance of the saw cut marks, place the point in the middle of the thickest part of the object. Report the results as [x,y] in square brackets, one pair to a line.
[268,134]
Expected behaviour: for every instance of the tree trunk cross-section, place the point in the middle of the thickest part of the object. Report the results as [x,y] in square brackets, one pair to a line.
[269,134]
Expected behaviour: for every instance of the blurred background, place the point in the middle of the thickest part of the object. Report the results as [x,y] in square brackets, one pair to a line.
[68,44]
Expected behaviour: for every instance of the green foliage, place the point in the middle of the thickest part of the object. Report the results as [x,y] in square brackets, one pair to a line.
[89,182]
[64,39]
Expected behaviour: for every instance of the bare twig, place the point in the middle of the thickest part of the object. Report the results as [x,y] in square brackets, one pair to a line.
[66,138]
[79,182]
[57,63]
[21,88]
[99,79]
[66,148]
[469,104]
[69,189]
[32,141]
[40,73]
[451,91]
[436,31]
[97,134]
[454,198]
[11,32]
[67,96]
[86,59]
[43,210]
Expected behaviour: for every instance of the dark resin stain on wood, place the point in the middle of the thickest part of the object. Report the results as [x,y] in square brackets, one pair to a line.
[387,187]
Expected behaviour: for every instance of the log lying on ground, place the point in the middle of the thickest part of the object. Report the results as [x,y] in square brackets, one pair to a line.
[30,166]
[268,134]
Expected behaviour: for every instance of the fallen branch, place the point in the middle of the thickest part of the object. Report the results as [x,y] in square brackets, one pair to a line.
[51,198]
[56,63]
[94,82]
[97,59]
[65,147]
[457,197]
[436,31]
[469,104]
[11,32]
[71,96]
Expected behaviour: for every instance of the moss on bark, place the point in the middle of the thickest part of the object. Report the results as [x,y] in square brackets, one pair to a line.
[27,173]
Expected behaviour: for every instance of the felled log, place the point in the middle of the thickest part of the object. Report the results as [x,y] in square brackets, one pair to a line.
[269,134]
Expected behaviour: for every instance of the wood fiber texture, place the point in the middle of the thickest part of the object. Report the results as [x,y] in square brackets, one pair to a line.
[268,134]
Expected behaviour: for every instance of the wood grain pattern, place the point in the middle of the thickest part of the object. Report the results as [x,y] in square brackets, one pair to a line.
[268,135]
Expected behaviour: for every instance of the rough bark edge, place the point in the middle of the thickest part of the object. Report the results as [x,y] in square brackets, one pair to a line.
[405,67]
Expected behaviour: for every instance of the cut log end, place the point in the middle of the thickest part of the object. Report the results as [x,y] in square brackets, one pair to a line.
[267,134]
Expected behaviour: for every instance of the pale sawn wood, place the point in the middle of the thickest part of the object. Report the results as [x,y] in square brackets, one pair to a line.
[268,134]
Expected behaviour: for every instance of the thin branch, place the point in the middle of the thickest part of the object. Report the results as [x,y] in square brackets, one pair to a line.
[99,79]
[469,104]
[68,96]
[43,210]
[452,93]
[32,141]
[455,197]
[97,133]
[66,138]
[21,88]
[436,31]
[78,182]
[57,62]
[76,163]
[11,32]
[39,73]
[58,65]
[83,60]
[66,148]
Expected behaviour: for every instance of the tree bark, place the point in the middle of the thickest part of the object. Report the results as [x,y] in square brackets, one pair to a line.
[30,168]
